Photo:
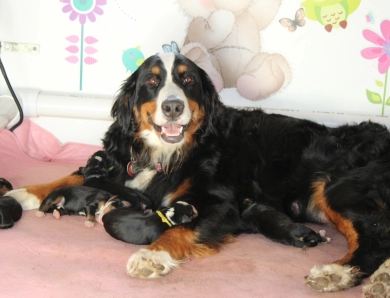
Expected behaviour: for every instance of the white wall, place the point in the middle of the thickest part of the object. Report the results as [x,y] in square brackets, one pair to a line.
[329,75]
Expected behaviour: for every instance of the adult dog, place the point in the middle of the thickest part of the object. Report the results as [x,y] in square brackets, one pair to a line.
[244,171]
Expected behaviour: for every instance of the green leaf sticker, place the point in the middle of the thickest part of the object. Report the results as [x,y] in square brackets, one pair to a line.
[373,97]
[388,102]
[378,83]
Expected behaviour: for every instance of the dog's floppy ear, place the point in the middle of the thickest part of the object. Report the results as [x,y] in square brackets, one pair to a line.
[122,109]
[211,101]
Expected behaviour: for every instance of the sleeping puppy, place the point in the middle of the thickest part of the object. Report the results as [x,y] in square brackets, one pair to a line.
[79,200]
[286,232]
[10,209]
[138,227]
[96,175]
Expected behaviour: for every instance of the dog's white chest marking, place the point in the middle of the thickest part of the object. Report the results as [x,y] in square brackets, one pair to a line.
[142,180]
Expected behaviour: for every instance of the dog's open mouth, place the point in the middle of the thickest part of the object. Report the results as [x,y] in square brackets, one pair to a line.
[171,132]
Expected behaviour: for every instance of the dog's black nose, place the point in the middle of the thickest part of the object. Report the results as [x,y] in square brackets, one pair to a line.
[172,108]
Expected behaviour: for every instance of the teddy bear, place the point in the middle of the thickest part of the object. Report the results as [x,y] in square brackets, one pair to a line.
[223,38]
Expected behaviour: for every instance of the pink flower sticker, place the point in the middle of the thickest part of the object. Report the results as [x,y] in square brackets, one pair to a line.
[83,9]
[382,48]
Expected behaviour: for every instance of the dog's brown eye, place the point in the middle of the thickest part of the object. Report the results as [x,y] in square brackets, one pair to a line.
[153,81]
[187,80]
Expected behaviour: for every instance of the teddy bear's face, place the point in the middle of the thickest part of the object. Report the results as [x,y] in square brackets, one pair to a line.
[203,8]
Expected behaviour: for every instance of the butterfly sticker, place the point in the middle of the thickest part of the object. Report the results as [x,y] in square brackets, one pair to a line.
[370,17]
[173,48]
[293,24]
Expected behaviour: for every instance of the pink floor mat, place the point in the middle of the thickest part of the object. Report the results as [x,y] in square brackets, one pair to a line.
[45,257]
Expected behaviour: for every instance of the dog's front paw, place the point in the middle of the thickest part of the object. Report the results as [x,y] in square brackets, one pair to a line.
[379,285]
[150,264]
[332,278]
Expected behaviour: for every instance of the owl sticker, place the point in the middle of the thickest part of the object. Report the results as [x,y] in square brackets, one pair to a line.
[332,14]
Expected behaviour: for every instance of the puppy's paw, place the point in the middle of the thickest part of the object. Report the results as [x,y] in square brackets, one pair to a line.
[56,214]
[332,278]
[379,285]
[39,213]
[89,224]
[302,236]
[150,264]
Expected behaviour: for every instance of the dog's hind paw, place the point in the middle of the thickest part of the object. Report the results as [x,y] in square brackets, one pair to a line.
[56,214]
[150,264]
[89,224]
[39,213]
[379,285]
[332,278]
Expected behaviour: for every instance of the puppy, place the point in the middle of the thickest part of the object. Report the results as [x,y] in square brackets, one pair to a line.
[10,210]
[79,200]
[96,174]
[138,227]
[286,232]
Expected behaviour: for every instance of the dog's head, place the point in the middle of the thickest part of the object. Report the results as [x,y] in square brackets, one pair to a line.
[165,103]
[5,186]
[96,165]
[180,213]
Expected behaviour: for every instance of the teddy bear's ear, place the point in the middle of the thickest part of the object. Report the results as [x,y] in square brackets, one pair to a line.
[196,52]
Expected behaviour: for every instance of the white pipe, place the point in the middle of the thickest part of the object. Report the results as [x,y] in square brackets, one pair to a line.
[8,110]
[38,104]
[74,106]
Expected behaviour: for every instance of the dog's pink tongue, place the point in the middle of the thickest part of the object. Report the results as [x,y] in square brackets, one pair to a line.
[171,129]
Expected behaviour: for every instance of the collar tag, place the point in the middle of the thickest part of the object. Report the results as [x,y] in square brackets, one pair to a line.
[130,169]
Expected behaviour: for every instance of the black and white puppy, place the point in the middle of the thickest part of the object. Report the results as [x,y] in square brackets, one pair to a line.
[78,200]
[96,174]
[91,198]
[138,227]
[286,231]
[10,210]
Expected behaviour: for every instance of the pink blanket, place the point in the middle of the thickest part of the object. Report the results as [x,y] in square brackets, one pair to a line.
[45,257]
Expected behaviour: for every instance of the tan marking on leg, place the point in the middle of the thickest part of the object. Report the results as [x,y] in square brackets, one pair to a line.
[102,203]
[45,207]
[41,191]
[90,217]
[181,243]
[343,225]
[180,191]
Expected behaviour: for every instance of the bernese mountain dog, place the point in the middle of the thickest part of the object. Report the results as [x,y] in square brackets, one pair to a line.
[245,171]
